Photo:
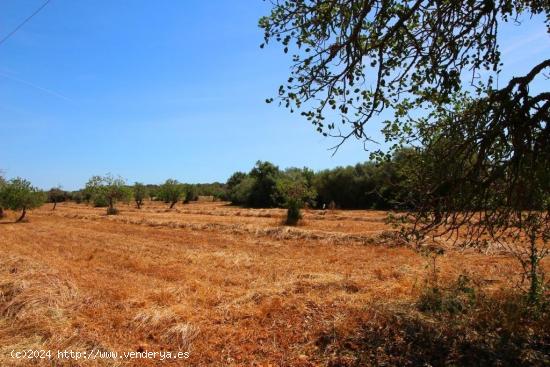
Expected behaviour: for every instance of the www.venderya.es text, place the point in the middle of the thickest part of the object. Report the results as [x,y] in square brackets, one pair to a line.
[96,354]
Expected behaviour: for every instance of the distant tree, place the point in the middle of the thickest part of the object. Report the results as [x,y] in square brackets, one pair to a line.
[190,193]
[19,194]
[171,191]
[262,195]
[77,196]
[239,194]
[153,192]
[56,195]
[294,190]
[109,189]
[140,193]
[235,179]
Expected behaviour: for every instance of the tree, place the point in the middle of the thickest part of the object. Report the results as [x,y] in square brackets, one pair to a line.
[109,189]
[19,194]
[171,191]
[500,194]
[190,193]
[492,172]
[140,193]
[294,190]
[239,194]
[262,194]
[56,195]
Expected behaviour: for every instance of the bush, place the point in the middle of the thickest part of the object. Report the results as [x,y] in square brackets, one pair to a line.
[498,329]
[100,201]
[112,211]
[293,212]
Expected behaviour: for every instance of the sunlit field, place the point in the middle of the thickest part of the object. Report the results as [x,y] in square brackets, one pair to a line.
[231,286]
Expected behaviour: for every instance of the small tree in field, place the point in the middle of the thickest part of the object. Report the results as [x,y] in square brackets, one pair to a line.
[140,193]
[56,195]
[110,189]
[293,191]
[19,194]
[171,191]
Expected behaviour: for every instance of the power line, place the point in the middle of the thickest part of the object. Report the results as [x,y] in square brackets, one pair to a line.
[23,22]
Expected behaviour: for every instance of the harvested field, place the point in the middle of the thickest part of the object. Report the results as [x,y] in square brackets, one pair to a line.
[232,286]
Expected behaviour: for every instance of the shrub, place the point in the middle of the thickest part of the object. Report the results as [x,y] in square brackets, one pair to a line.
[293,212]
[112,211]
[100,201]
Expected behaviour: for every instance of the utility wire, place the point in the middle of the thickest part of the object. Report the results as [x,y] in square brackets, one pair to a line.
[23,22]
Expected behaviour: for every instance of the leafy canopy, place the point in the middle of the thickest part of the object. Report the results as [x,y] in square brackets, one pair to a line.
[19,194]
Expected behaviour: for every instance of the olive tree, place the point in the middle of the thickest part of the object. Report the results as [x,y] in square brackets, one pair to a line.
[109,189]
[19,194]
[56,195]
[140,193]
[171,191]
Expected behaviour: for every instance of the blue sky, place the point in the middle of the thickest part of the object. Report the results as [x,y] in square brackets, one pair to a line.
[151,90]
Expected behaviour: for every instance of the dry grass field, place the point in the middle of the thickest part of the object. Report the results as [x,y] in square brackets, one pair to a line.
[232,286]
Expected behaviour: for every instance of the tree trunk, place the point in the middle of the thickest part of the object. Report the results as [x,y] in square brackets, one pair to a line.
[173,203]
[54,205]
[1,212]
[534,288]
[22,215]
[138,204]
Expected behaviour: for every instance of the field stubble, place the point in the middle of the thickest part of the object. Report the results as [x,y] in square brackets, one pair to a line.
[232,286]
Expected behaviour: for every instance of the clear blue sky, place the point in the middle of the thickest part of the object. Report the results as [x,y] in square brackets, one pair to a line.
[156,89]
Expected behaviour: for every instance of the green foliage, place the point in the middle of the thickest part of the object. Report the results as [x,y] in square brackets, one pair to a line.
[56,195]
[458,298]
[107,190]
[294,189]
[239,194]
[140,193]
[363,186]
[359,58]
[171,191]
[100,201]
[293,214]
[19,194]
[264,189]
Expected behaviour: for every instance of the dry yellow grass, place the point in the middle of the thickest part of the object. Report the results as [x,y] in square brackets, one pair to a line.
[230,285]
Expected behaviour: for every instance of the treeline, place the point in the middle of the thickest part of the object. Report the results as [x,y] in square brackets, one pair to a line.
[369,185]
